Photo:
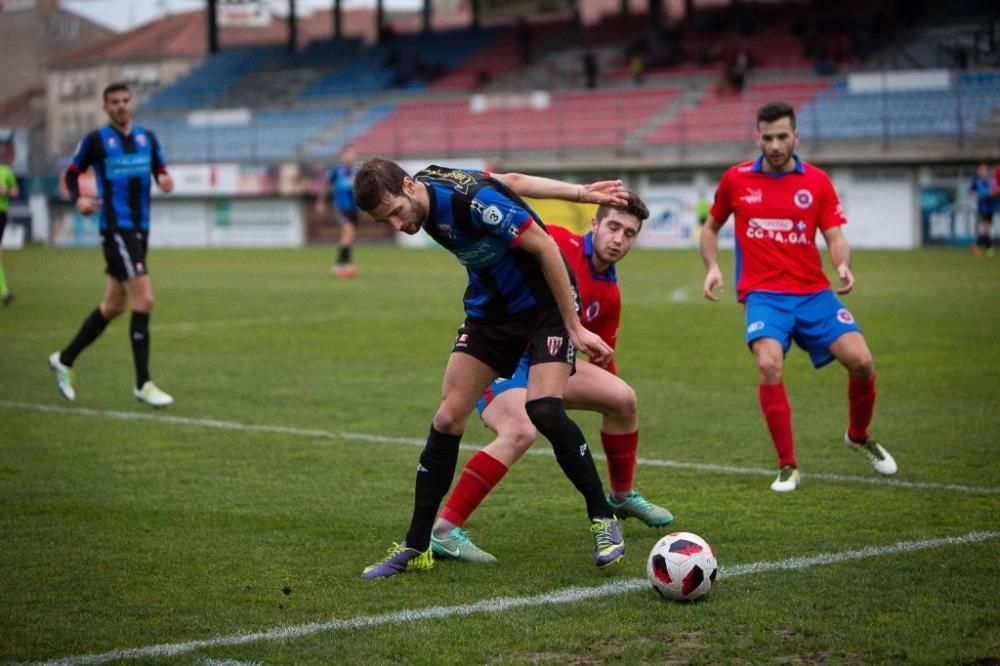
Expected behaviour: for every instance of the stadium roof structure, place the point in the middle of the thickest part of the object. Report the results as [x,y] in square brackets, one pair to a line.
[185,34]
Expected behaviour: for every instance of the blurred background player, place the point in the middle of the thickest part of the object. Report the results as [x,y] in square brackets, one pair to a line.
[592,258]
[983,188]
[8,191]
[340,188]
[520,296]
[779,202]
[126,159]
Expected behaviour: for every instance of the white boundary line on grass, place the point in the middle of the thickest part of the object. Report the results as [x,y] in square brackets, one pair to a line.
[539,451]
[500,604]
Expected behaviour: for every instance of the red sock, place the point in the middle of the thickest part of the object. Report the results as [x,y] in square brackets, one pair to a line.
[478,478]
[620,450]
[861,399]
[778,415]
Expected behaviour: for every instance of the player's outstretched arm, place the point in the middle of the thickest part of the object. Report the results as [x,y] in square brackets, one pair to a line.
[840,256]
[602,192]
[710,256]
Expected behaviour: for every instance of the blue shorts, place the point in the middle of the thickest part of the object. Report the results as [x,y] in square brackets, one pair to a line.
[813,321]
[518,380]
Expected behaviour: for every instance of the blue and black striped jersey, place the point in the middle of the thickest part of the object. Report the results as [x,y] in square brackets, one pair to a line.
[480,220]
[123,168]
[341,182]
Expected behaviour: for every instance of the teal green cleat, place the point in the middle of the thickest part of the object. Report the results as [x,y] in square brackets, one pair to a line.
[458,546]
[636,506]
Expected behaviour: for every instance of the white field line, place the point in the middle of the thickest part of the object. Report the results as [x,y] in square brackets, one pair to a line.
[501,604]
[239,322]
[536,451]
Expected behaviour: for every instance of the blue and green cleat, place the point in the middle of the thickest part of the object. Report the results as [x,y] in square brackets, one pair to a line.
[458,546]
[636,506]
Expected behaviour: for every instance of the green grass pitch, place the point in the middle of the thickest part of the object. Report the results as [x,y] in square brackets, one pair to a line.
[233,526]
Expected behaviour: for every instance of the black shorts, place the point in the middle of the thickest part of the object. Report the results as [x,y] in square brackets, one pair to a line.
[347,217]
[3,223]
[124,254]
[500,345]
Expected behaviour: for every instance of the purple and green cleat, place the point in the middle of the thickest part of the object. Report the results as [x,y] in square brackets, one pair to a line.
[609,545]
[400,559]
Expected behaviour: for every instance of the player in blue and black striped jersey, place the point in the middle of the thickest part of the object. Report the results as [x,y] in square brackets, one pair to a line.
[520,297]
[126,159]
[340,187]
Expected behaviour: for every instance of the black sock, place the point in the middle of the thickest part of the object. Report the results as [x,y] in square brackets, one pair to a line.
[572,452]
[434,476]
[345,255]
[138,332]
[92,327]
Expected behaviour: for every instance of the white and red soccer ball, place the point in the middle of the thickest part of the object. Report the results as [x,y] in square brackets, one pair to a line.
[682,566]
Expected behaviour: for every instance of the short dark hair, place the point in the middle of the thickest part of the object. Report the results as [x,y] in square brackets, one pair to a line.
[116,87]
[376,178]
[636,206]
[773,111]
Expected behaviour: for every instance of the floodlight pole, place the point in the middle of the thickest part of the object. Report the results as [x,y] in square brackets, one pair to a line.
[213,27]
[293,27]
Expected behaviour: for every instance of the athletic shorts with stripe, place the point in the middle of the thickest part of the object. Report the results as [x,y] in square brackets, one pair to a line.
[124,254]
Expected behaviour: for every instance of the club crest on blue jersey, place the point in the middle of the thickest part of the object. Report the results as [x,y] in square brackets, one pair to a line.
[492,216]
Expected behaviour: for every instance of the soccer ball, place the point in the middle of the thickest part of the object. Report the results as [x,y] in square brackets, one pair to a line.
[682,566]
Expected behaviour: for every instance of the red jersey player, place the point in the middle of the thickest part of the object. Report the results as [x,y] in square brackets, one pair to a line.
[779,202]
[592,258]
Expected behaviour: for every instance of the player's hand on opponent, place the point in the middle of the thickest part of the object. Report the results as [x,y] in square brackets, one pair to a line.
[846,279]
[166,182]
[605,193]
[594,346]
[713,279]
[88,205]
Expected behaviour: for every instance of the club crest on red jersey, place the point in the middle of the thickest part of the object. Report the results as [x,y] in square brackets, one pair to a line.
[803,199]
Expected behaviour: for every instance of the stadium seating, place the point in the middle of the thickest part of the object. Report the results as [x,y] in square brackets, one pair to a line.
[839,114]
[730,117]
[268,135]
[581,119]
[213,77]
[401,64]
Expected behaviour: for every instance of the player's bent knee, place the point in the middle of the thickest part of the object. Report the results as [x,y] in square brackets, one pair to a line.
[627,404]
[522,436]
[448,420]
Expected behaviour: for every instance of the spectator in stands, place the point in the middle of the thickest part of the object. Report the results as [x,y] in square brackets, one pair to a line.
[590,69]
[340,186]
[483,78]
[126,160]
[984,190]
[525,41]
[737,69]
[8,190]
